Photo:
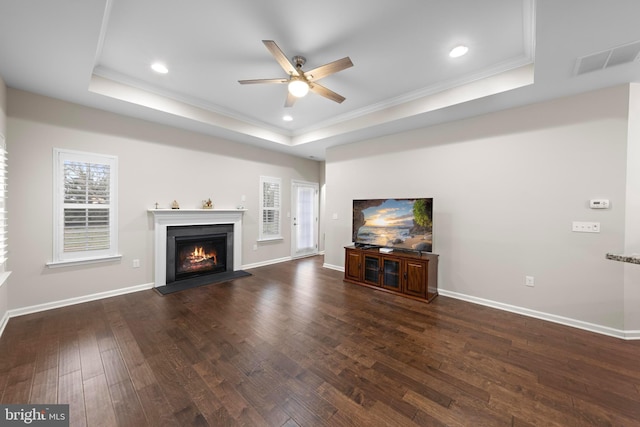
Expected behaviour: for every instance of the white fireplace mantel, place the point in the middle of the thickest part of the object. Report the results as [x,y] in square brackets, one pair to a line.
[163,218]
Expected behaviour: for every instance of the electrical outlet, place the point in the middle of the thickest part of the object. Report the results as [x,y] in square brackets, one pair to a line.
[585,227]
[136,263]
[529,281]
[255,247]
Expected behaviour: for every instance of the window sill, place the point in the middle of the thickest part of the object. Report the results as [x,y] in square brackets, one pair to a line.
[72,262]
[270,239]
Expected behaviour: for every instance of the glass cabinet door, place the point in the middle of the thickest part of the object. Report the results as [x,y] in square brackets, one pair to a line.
[391,274]
[372,269]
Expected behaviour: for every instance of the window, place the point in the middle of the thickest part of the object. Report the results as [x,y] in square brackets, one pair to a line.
[270,196]
[85,211]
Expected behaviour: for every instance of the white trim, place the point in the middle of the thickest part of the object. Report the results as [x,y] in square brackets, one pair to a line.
[164,218]
[632,335]
[295,252]
[3,322]
[333,267]
[60,155]
[278,209]
[265,263]
[78,300]
[579,324]
[72,262]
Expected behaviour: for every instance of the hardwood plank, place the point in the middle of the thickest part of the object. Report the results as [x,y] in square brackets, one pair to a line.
[224,391]
[97,401]
[18,384]
[90,359]
[114,367]
[126,405]
[69,355]
[157,409]
[71,392]
[45,387]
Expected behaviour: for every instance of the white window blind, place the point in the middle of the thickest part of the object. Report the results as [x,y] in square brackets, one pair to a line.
[3,205]
[86,214]
[270,202]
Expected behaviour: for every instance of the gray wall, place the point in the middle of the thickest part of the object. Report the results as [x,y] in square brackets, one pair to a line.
[156,164]
[632,217]
[506,188]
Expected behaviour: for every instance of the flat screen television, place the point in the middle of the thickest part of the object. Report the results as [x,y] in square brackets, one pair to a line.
[395,223]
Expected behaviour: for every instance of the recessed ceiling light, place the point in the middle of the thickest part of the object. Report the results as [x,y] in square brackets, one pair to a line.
[458,51]
[159,68]
[287,118]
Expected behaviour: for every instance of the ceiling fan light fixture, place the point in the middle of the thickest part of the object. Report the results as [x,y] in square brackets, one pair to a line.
[298,88]
[458,51]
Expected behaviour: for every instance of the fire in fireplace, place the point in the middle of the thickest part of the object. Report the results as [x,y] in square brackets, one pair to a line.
[196,252]
[200,255]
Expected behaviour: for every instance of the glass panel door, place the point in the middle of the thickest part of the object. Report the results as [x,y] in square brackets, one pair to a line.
[391,274]
[371,269]
[304,240]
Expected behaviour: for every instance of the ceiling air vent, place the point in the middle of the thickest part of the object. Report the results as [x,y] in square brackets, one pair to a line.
[608,58]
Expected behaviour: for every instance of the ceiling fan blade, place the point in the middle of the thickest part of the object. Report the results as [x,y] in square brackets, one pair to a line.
[254,81]
[290,100]
[280,57]
[327,93]
[328,69]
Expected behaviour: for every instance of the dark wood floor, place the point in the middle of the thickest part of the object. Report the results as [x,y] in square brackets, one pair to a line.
[293,345]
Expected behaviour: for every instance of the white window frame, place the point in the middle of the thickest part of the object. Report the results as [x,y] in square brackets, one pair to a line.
[264,235]
[60,257]
[4,273]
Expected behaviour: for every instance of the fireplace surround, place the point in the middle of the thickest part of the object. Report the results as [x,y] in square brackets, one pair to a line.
[167,219]
[195,252]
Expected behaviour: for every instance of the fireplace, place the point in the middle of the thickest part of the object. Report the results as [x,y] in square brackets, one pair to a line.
[195,253]
[182,219]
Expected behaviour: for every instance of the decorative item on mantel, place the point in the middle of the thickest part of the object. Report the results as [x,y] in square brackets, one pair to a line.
[175,205]
[207,204]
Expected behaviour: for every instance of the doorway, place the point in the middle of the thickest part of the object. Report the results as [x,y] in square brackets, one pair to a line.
[304,224]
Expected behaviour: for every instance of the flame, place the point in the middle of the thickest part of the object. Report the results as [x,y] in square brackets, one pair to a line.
[199,255]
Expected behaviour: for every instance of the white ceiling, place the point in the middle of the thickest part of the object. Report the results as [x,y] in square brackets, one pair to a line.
[98,53]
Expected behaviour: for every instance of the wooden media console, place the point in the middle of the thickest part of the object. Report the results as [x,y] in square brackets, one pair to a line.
[410,274]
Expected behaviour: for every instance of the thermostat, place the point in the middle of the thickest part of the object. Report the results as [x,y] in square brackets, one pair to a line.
[599,204]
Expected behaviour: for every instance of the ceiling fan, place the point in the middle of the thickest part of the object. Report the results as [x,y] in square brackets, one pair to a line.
[300,82]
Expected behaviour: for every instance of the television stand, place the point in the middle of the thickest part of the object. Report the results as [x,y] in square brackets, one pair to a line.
[408,274]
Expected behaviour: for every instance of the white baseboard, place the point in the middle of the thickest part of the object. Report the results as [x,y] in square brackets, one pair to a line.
[265,263]
[591,327]
[71,301]
[632,335]
[3,322]
[333,267]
